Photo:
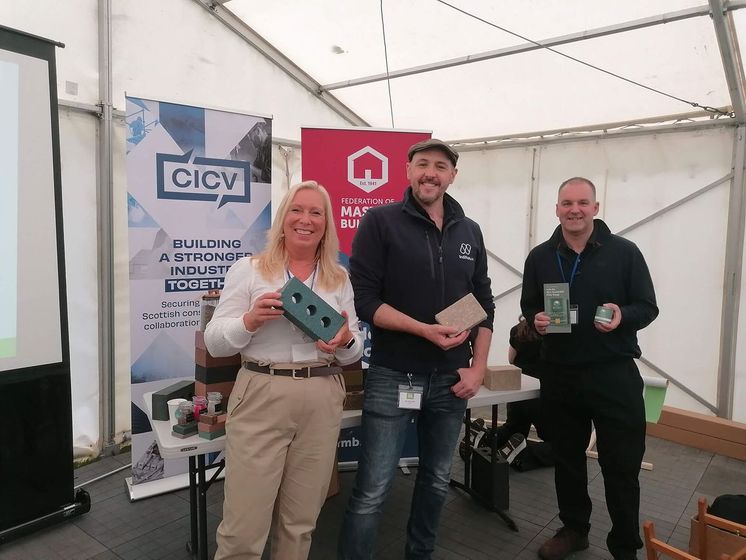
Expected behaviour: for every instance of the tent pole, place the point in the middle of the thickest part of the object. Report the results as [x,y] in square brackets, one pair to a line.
[105,184]
[725,31]
[732,279]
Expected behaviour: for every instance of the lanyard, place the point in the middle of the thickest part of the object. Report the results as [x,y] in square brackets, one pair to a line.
[313,276]
[574,268]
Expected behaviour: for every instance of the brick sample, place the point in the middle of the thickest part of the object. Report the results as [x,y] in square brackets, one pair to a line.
[502,378]
[310,313]
[464,314]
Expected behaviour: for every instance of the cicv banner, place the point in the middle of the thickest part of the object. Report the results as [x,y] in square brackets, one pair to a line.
[360,167]
[199,192]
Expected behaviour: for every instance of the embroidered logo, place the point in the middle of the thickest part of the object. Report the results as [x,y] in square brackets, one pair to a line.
[465,252]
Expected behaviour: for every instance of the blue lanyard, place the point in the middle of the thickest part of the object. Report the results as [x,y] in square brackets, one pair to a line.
[313,276]
[574,268]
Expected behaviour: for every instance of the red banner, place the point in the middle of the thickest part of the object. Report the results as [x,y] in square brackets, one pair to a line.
[359,167]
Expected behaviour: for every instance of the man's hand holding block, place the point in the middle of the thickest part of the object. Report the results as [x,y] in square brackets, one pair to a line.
[465,314]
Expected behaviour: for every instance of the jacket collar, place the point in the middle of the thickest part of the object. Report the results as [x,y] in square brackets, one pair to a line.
[601,233]
[452,210]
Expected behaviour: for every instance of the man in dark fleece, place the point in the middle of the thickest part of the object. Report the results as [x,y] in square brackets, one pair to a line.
[589,374]
[410,260]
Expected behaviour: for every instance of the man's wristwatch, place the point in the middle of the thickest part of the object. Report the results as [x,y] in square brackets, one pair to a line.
[350,343]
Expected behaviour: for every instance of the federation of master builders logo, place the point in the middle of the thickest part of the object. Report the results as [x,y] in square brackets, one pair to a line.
[202,178]
[368,169]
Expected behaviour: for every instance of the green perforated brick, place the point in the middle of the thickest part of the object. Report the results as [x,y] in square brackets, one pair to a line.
[185,429]
[309,312]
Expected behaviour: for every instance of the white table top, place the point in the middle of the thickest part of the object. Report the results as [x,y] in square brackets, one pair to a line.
[172,447]
[484,397]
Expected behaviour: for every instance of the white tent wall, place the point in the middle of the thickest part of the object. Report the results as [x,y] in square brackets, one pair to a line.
[176,50]
[72,22]
[171,50]
[636,176]
[78,157]
[75,24]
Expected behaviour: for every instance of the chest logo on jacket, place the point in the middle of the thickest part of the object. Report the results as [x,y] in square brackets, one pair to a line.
[464,252]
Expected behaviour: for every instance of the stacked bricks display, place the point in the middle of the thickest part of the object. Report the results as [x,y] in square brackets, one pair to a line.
[211,425]
[213,375]
[310,313]
[353,376]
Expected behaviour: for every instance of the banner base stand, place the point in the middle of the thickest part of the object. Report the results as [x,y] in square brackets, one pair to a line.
[157,487]
[81,505]
[404,464]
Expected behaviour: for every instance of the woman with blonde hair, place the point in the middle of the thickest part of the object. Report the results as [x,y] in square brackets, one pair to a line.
[285,410]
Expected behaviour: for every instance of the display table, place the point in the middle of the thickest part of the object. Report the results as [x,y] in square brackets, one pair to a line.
[195,448]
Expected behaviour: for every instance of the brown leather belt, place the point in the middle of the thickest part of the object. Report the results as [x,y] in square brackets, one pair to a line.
[300,373]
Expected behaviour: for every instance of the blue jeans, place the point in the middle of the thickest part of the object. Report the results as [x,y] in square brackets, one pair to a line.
[383,432]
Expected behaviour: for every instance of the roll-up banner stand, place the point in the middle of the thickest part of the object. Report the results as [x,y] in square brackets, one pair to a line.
[36,453]
[361,168]
[199,194]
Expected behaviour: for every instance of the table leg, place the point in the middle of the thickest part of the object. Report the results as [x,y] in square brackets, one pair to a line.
[192,545]
[202,508]
[467,461]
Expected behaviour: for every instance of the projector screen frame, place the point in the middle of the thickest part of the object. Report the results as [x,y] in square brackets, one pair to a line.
[36,472]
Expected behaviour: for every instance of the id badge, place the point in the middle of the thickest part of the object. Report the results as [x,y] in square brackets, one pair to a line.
[410,396]
[573,314]
[304,353]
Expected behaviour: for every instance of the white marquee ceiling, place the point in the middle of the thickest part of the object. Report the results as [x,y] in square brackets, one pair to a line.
[336,41]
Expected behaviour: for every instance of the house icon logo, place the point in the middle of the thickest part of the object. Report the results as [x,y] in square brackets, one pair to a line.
[368,169]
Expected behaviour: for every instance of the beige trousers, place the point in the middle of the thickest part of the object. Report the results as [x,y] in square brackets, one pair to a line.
[280,450]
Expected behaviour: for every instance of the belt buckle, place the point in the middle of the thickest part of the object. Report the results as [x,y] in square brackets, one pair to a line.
[307,376]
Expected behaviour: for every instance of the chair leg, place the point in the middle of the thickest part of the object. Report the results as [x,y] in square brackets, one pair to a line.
[649,532]
[702,527]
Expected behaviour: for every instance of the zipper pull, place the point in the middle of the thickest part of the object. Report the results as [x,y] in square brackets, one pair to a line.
[440,254]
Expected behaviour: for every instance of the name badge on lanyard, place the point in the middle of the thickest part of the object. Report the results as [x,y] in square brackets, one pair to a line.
[410,396]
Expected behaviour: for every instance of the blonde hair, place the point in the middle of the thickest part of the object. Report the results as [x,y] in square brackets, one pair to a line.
[273,261]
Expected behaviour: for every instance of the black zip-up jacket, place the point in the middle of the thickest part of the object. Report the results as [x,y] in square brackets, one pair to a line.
[400,257]
[611,270]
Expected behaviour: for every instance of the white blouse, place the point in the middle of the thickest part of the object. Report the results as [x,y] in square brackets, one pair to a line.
[272,343]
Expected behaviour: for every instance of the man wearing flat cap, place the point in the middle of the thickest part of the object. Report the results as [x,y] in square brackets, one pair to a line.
[410,260]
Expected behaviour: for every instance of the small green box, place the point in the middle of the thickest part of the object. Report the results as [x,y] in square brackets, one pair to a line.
[310,313]
[603,315]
